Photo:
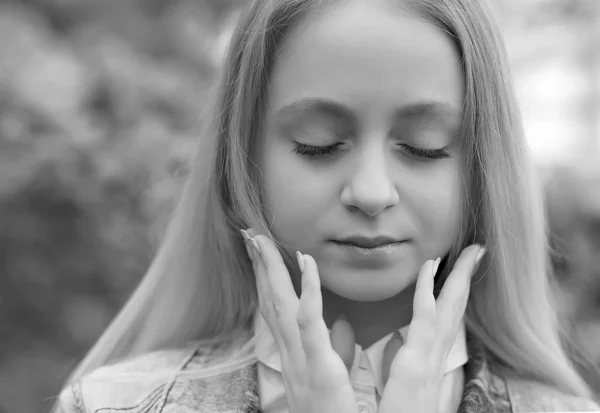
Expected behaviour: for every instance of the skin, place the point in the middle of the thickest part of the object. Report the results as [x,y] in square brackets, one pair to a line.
[314,374]
[381,71]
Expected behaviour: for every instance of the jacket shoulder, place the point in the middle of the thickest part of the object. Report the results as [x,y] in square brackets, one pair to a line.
[137,383]
[532,396]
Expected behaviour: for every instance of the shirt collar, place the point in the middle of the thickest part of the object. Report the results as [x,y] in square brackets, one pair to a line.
[268,354]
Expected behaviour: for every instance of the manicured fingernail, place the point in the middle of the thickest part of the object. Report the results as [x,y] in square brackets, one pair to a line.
[300,260]
[250,241]
[246,242]
[479,256]
[245,235]
[436,265]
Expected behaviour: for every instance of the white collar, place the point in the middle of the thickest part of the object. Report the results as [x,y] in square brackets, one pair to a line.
[268,354]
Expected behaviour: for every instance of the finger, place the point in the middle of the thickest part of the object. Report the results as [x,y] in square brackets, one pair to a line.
[389,352]
[313,331]
[405,380]
[453,298]
[265,300]
[409,366]
[263,289]
[343,341]
[284,301]
[421,331]
[277,272]
[253,252]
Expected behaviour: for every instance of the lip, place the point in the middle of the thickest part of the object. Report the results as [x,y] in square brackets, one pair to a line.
[379,251]
[370,257]
[365,242]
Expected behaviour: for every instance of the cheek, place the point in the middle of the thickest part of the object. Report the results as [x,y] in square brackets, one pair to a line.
[438,208]
[295,199]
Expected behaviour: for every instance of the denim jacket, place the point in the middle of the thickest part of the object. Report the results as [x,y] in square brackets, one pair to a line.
[140,385]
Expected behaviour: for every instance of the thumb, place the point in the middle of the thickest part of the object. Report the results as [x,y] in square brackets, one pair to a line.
[342,340]
[391,348]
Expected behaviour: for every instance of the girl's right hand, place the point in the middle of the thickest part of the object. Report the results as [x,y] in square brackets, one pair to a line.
[315,377]
[418,368]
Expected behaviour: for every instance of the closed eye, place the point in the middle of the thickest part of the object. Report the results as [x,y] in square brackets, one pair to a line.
[426,153]
[314,151]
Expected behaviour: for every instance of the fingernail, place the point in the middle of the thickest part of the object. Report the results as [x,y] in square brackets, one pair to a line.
[300,260]
[245,235]
[436,265]
[479,256]
[250,240]
[246,242]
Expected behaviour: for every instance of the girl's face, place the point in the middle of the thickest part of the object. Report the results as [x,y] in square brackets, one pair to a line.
[361,146]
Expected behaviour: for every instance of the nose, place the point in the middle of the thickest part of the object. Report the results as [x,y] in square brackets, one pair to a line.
[370,188]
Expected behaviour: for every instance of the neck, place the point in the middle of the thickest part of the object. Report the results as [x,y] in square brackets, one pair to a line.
[370,320]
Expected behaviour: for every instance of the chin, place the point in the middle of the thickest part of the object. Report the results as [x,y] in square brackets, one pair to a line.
[365,295]
[357,287]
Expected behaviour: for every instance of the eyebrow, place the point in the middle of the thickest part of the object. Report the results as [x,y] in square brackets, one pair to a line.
[429,111]
[414,112]
[317,107]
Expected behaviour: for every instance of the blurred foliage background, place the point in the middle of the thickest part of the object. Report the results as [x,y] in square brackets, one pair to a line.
[99,110]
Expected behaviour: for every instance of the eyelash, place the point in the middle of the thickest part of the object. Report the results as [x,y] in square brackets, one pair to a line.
[427,153]
[308,150]
[315,151]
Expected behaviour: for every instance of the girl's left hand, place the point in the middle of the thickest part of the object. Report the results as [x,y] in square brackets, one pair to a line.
[417,370]
[315,376]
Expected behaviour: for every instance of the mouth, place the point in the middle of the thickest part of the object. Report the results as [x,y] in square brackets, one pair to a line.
[368,242]
[370,248]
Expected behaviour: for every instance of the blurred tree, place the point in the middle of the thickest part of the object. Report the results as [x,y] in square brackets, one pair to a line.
[99,105]
[99,108]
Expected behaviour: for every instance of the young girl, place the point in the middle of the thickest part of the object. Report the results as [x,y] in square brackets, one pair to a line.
[373,137]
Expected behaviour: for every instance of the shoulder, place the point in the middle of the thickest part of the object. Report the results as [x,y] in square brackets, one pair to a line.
[532,396]
[147,382]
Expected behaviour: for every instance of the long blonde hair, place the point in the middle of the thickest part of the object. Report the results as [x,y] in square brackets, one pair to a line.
[200,284]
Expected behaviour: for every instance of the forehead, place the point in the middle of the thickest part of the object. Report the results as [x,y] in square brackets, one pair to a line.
[368,56]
